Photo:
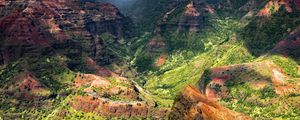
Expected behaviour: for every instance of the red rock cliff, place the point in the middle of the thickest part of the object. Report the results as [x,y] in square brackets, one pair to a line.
[191,104]
[45,25]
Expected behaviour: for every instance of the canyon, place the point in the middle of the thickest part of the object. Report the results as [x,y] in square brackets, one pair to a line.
[151,59]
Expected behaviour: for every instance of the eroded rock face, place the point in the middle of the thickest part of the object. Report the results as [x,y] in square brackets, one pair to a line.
[191,19]
[194,20]
[110,108]
[21,29]
[156,45]
[52,23]
[290,46]
[191,104]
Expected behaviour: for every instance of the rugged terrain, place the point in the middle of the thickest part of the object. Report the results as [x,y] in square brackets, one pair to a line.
[149,59]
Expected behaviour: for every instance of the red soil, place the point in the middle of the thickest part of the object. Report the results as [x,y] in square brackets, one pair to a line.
[90,79]
[122,87]
[19,28]
[2,3]
[192,105]
[282,87]
[101,71]
[110,108]
[276,4]
[191,10]
[86,104]
[29,82]
[211,93]
[210,9]
[160,61]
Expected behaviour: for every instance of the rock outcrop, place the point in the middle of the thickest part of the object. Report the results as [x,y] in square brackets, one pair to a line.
[191,104]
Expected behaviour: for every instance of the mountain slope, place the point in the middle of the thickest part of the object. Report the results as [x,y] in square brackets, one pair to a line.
[43,45]
[83,59]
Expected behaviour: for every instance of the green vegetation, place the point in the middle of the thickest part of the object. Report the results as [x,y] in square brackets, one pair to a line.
[25,109]
[261,104]
[65,111]
[183,41]
[53,73]
[41,92]
[287,64]
[153,10]
[144,62]
[9,72]
[262,34]
[185,67]
[188,58]
[167,83]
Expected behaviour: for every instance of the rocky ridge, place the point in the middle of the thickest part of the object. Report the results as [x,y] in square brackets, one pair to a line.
[191,104]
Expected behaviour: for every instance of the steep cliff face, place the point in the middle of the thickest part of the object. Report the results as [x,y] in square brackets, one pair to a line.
[113,22]
[180,17]
[49,39]
[191,104]
[42,24]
